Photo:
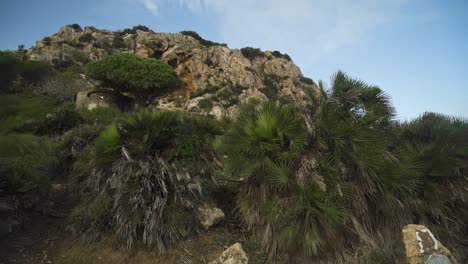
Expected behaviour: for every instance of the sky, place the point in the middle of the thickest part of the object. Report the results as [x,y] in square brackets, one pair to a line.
[414,50]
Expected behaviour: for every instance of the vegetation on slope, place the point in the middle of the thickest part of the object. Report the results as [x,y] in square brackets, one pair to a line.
[144,77]
[144,178]
[316,183]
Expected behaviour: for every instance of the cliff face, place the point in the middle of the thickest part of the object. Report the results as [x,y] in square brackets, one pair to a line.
[217,79]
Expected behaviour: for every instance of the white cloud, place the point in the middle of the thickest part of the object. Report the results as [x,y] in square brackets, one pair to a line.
[152,6]
[293,26]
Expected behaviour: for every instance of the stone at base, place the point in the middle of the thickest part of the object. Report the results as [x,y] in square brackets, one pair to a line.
[233,255]
[421,247]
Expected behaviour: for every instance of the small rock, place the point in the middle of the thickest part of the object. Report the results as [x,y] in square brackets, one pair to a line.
[233,255]
[209,216]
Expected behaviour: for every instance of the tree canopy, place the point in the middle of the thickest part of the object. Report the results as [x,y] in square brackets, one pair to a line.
[129,73]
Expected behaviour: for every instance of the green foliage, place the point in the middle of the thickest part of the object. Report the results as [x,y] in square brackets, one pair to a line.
[441,147]
[87,37]
[278,54]
[18,110]
[134,29]
[306,80]
[293,215]
[142,76]
[118,41]
[76,27]
[206,103]
[8,69]
[153,166]
[100,116]
[47,41]
[204,42]
[26,162]
[13,69]
[252,53]
[54,124]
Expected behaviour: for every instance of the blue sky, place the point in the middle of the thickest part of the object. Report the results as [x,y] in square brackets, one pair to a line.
[415,50]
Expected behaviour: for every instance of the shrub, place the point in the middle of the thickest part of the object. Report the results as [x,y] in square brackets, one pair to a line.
[118,41]
[47,41]
[152,165]
[56,123]
[79,56]
[129,73]
[134,29]
[292,215]
[206,103]
[278,54]
[62,87]
[18,110]
[76,27]
[306,80]
[8,69]
[34,72]
[26,161]
[252,53]
[87,37]
[202,41]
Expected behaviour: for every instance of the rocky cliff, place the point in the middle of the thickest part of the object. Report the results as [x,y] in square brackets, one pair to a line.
[217,79]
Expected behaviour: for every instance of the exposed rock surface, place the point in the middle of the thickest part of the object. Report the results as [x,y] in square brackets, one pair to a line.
[422,247]
[233,255]
[210,216]
[217,79]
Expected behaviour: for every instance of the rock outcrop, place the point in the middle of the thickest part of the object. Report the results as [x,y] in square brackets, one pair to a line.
[233,255]
[421,247]
[217,79]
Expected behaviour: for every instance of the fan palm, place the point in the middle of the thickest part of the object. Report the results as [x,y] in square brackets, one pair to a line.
[144,177]
[293,215]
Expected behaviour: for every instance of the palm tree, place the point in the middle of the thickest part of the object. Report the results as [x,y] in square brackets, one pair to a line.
[293,215]
[144,177]
[353,129]
[442,150]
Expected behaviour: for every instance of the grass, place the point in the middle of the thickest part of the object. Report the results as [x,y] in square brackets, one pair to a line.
[17,110]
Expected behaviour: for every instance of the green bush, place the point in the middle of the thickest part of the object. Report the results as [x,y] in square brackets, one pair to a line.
[252,53]
[47,41]
[9,64]
[204,42]
[87,37]
[291,214]
[153,165]
[25,73]
[278,54]
[26,161]
[54,124]
[18,110]
[129,73]
[306,80]
[118,41]
[76,27]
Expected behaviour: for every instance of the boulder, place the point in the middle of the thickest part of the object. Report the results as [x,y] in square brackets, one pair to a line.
[209,216]
[421,247]
[233,255]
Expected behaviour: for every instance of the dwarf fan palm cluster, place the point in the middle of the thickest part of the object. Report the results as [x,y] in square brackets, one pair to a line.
[292,214]
[144,177]
[334,177]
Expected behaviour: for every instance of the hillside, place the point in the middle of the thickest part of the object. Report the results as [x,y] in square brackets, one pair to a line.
[134,146]
[219,77]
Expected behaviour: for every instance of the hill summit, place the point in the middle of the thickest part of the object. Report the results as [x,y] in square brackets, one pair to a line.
[217,79]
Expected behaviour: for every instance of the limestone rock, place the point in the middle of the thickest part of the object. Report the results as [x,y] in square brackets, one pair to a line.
[233,255]
[421,247]
[209,216]
[224,75]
